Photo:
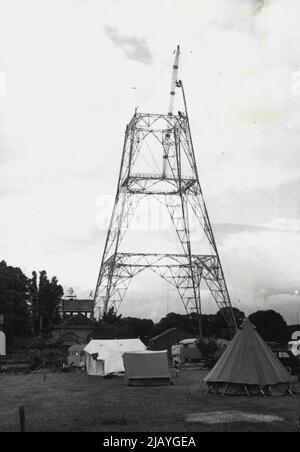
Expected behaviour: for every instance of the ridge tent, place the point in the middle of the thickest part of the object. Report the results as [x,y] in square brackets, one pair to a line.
[147,368]
[248,367]
[104,356]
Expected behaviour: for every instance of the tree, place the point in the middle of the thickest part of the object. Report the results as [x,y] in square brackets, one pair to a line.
[14,301]
[110,317]
[112,326]
[45,299]
[142,328]
[173,320]
[216,325]
[207,347]
[270,325]
[113,331]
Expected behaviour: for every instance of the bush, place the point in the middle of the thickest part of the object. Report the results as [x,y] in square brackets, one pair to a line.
[52,357]
[38,342]
[207,347]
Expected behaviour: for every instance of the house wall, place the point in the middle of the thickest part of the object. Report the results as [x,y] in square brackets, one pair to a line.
[82,333]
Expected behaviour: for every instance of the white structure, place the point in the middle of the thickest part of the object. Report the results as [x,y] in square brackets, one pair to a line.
[176,354]
[104,356]
[294,346]
[295,336]
[2,344]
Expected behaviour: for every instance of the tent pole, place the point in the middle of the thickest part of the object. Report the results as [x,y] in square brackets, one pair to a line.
[226,387]
[247,392]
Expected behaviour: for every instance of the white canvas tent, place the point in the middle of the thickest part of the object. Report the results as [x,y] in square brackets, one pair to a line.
[2,344]
[104,356]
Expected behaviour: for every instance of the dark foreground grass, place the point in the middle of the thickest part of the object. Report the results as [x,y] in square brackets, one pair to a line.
[77,402]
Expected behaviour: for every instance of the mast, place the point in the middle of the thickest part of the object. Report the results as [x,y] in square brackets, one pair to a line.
[180,194]
[167,142]
[173,81]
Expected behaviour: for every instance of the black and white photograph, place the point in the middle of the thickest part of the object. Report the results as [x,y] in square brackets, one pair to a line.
[149,218]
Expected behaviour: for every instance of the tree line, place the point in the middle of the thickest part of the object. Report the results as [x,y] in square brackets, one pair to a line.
[269,324]
[30,305]
[31,308]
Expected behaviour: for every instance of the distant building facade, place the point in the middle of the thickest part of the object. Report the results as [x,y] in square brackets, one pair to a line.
[77,320]
[71,305]
[70,308]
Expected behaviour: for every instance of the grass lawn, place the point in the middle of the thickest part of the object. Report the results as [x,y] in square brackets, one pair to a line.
[77,402]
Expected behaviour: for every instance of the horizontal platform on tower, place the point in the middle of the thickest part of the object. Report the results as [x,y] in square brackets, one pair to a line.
[160,260]
[143,183]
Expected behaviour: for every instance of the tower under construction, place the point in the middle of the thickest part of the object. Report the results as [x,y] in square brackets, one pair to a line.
[177,187]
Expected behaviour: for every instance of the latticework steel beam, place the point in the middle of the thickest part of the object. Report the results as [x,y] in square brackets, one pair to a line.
[176,184]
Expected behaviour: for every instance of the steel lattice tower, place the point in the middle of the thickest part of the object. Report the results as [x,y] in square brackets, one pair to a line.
[178,188]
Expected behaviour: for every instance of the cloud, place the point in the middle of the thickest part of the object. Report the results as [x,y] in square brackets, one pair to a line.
[135,48]
[262,267]
[283,224]
[258,6]
[240,17]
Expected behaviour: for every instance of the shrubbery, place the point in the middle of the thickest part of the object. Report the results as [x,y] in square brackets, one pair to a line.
[208,347]
[48,357]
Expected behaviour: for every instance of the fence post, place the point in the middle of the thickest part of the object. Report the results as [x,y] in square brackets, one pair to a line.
[22,418]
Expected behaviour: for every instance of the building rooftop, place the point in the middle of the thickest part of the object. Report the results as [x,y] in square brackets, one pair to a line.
[77,305]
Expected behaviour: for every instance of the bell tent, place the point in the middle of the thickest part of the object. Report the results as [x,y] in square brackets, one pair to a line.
[147,368]
[104,357]
[248,367]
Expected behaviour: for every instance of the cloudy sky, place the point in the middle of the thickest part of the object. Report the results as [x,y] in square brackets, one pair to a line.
[72,73]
